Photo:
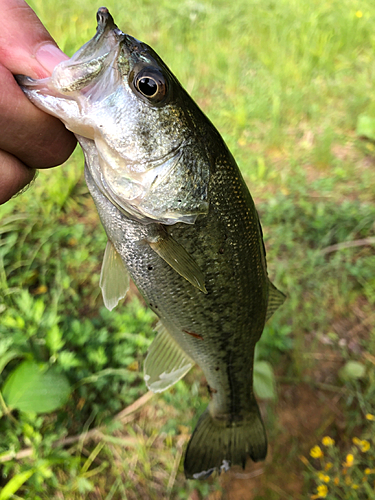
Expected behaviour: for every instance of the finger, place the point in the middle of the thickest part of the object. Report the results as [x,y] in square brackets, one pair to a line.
[36,138]
[14,176]
[26,47]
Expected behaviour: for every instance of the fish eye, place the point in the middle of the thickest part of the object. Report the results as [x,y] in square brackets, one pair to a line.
[151,84]
[148,86]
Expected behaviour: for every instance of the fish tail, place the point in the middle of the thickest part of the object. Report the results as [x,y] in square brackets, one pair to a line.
[216,444]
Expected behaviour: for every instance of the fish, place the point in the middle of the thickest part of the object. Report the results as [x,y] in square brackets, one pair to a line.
[181,223]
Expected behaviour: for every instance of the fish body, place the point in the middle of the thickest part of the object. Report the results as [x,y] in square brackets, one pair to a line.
[180,221]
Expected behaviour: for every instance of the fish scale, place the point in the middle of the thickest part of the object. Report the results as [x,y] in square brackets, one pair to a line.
[180,221]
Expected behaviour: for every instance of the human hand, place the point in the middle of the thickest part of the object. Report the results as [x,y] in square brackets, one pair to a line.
[29,138]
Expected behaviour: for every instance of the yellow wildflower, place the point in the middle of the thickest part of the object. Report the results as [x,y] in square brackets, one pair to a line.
[133,366]
[336,481]
[328,441]
[316,452]
[323,477]
[328,466]
[349,460]
[364,445]
[355,486]
[370,417]
[322,491]
[359,13]
[369,471]
[40,289]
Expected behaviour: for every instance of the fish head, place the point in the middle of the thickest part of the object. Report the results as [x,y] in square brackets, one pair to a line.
[152,159]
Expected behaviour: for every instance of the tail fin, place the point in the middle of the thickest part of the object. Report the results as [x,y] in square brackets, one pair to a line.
[218,444]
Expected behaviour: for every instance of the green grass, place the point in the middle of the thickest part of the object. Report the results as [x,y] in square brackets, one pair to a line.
[284,82]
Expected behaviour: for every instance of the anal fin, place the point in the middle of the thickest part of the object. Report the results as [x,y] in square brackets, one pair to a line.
[114,277]
[166,363]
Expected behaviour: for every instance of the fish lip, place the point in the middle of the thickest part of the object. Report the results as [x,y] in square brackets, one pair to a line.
[105,22]
[104,19]
[108,37]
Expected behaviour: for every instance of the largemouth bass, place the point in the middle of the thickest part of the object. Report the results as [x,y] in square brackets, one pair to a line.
[180,221]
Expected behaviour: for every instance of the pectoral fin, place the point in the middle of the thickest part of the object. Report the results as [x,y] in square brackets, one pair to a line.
[166,363]
[178,258]
[275,299]
[114,277]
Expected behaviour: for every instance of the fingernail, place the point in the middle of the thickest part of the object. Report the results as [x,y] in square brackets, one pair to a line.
[48,55]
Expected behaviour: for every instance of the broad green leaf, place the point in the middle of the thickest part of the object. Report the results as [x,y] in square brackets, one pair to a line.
[366,126]
[264,380]
[352,370]
[35,387]
[15,484]
[6,357]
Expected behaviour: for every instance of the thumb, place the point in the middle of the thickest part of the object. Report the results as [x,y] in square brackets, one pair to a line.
[26,47]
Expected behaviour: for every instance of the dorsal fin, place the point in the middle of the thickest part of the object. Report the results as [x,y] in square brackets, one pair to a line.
[166,363]
[114,277]
[275,299]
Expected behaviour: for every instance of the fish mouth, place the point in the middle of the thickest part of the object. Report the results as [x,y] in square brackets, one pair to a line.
[92,57]
[78,72]
[106,26]
[105,21]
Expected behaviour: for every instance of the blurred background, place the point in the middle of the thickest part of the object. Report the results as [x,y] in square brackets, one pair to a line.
[289,85]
